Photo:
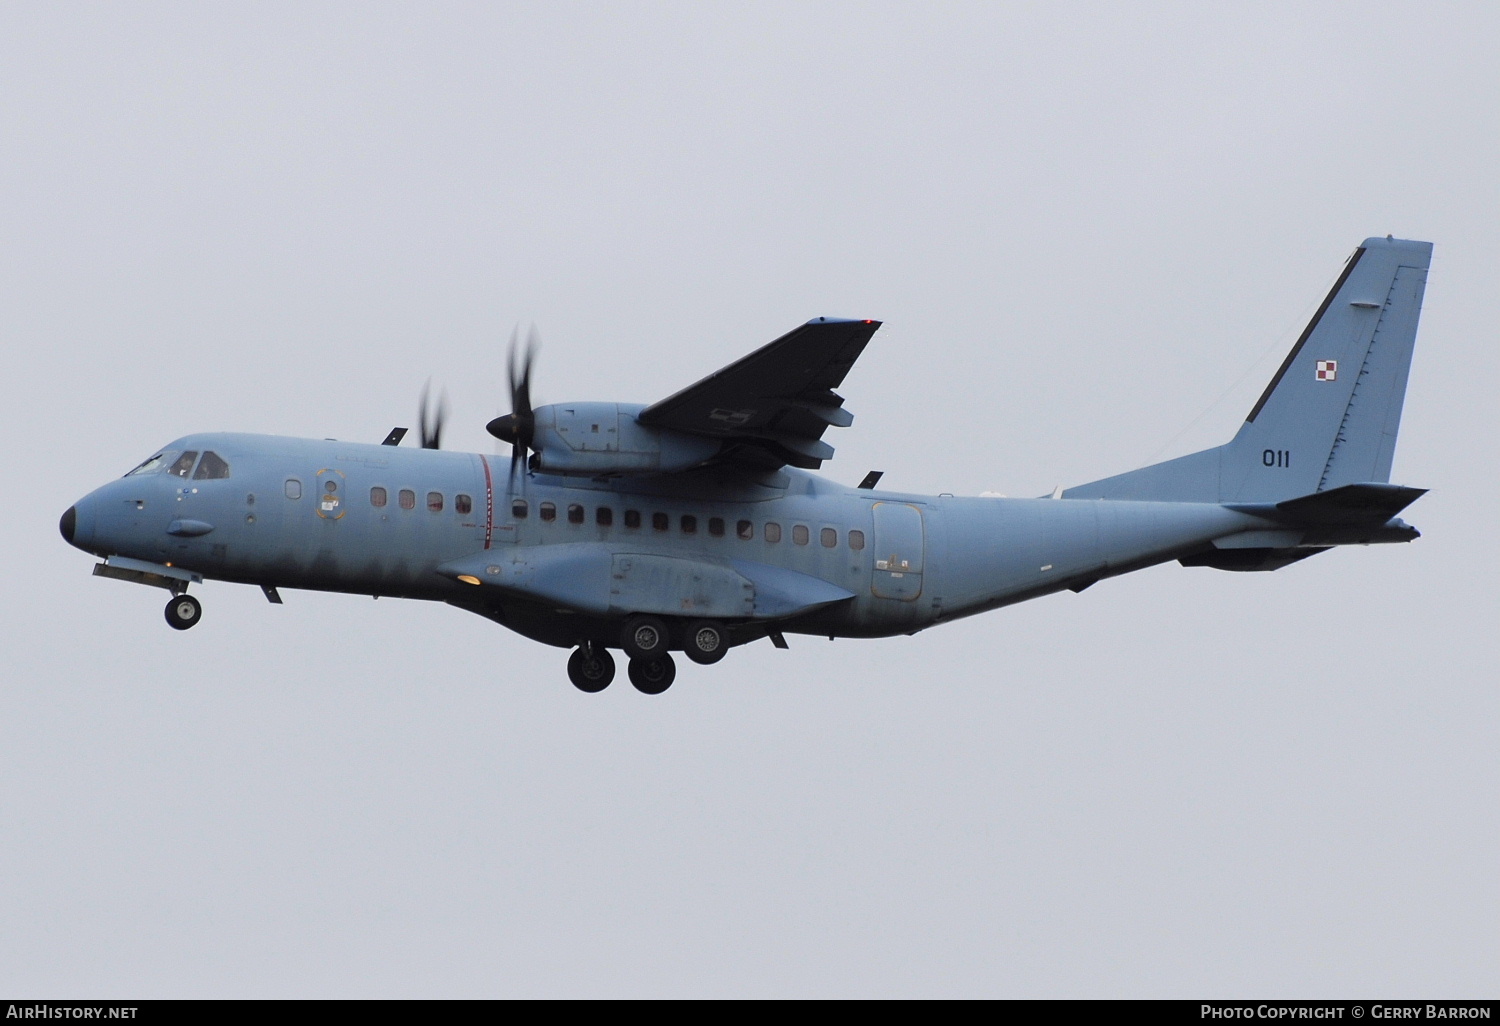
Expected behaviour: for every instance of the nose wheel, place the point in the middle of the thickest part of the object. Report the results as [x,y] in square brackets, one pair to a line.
[183,612]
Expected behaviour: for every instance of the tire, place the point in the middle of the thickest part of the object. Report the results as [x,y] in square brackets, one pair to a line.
[653,676]
[591,673]
[705,642]
[184,611]
[645,637]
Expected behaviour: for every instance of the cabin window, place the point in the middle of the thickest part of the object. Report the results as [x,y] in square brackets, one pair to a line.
[407,498]
[547,511]
[689,524]
[518,509]
[799,534]
[184,464]
[293,488]
[829,537]
[632,518]
[463,505]
[575,514]
[745,530]
[773,533]
[856,540]
[716,526]
[661,522]
[435,502]
[377,497]
[604,516]
[211,468]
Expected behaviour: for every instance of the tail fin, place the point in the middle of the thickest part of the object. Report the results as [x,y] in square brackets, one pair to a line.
[1329,416]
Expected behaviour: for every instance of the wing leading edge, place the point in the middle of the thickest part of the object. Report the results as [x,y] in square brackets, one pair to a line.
[772,406]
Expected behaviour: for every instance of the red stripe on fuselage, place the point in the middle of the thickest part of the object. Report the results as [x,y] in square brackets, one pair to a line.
[489,502]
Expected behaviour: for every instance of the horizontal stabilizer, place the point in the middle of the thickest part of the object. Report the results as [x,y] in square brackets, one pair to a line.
[1367,503]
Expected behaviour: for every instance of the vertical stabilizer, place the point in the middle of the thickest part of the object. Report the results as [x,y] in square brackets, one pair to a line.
[1330,414]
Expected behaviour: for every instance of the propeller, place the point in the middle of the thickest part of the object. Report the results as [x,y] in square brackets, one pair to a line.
[431,417]
[518,427]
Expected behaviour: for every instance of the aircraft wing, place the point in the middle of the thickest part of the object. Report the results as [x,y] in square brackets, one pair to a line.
[773,405]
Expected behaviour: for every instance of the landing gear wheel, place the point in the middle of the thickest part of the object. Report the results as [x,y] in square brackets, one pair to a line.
[705,642]
[591,668]
[184,611]
[653,676]
[645,637]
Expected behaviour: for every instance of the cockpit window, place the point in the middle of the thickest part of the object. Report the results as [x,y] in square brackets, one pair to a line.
[184,464]
[211,467]
[154,465]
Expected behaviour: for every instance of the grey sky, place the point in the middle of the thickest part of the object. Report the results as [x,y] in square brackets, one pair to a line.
[1082,224]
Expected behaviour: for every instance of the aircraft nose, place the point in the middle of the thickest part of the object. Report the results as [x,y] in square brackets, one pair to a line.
[77,524]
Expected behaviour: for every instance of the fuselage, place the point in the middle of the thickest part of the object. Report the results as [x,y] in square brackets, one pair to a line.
[381,520]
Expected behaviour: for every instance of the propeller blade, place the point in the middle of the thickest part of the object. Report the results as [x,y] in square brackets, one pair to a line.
[518,427]
[430,418]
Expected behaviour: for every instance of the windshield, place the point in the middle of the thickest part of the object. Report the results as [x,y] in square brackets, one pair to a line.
[154,465]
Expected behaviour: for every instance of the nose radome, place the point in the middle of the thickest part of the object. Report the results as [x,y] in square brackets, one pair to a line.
[77,524]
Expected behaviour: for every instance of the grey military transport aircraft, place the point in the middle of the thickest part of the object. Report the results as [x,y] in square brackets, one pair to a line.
[694,525]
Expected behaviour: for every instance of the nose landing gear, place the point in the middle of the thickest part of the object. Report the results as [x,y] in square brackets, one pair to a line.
[184,611]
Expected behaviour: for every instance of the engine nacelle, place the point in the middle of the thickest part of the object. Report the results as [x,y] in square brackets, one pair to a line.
[605,440]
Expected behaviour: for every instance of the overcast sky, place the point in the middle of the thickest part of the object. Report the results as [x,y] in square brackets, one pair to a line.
[1092,232]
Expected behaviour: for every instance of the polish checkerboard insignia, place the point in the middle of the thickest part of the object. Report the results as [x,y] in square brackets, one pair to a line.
[1328,370]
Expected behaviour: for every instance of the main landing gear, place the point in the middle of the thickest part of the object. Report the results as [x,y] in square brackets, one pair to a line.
[184,611]
[653,676]
[591,668]
[705,642]
[646,640]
